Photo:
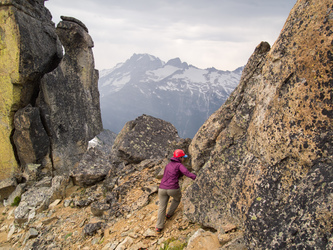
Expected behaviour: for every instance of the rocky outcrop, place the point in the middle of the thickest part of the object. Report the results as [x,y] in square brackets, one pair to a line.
[69,98]
[57,113]
[143,142]
[265,157]
[29,49]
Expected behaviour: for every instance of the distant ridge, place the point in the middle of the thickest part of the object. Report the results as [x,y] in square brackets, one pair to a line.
[174,91]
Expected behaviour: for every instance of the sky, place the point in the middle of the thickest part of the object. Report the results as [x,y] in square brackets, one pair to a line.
[205,33]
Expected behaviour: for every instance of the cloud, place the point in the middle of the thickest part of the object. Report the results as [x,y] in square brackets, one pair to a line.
[219,33]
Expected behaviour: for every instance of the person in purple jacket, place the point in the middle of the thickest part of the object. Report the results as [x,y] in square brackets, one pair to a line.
[169,187]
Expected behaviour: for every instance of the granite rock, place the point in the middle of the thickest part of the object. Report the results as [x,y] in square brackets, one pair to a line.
[264,159]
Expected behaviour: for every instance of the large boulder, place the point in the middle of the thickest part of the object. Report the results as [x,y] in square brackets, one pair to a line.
[29,49]
[264,159]
[93,168]
[146,137]
[69,98]
[219,149]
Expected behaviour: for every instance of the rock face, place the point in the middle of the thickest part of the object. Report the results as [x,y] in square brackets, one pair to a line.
[31,140]
[29,49]
[57,113]
[265,157]
[72,89]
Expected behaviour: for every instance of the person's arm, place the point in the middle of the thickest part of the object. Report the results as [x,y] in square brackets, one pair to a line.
[185,171]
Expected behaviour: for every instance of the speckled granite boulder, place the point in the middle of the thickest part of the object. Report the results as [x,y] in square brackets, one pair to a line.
[264,159]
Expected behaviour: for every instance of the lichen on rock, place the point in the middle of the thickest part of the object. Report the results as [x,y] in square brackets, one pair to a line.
[264,158]
[25,28]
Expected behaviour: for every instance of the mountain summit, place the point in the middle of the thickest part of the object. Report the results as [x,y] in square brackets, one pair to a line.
[174,91]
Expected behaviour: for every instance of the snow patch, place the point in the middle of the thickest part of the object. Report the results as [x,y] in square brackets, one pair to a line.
[170,86]
[105,72]
[192,75]
[151,58]
[115,84]
[161,73]
[94,142]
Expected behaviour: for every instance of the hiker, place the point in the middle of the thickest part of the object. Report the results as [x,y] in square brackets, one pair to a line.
[169,187]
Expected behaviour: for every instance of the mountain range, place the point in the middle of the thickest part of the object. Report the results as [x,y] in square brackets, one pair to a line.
[177,92]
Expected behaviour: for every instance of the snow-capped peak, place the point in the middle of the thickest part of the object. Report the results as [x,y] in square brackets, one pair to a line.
[174,91]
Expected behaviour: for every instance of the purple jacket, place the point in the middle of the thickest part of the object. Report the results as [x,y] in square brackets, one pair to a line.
[172,172]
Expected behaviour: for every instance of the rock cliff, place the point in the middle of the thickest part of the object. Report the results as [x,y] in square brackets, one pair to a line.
[265,157]
[29,49]
[49,105]
[69,97]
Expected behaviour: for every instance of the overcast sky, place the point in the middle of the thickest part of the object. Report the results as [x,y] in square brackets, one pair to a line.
[205,33]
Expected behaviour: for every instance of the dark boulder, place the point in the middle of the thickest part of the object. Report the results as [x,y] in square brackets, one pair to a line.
[7,186]
[144,138]
[93,168]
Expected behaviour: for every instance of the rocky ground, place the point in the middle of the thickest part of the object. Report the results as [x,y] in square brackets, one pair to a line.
[75,223]
[64,227]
